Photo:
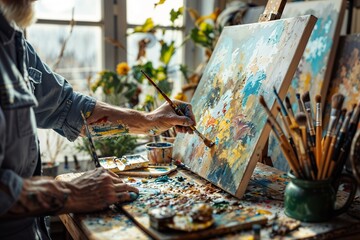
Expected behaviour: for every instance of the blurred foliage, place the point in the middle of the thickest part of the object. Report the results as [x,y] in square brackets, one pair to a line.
[114,146]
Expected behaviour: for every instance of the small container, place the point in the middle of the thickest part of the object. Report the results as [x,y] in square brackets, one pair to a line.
[161,217]
[314,200]
[167,139]
[159,153]
[109,163]
[129,162]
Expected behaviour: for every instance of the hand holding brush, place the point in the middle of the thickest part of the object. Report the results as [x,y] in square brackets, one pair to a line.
[178,111]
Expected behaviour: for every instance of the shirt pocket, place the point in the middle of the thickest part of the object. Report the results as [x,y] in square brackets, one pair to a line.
[26,123]
[35,77]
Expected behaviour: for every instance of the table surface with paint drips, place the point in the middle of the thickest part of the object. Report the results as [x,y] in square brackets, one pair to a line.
[264,193]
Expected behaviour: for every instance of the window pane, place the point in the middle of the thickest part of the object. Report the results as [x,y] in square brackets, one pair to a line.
[153,52]
[82,56]
[153,49]
[84,10]
[138,11]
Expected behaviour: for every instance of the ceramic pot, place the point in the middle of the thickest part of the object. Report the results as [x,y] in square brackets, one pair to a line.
[314,201]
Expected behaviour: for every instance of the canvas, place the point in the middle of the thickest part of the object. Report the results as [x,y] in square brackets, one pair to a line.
[346,74]
[314,70]
[247,62]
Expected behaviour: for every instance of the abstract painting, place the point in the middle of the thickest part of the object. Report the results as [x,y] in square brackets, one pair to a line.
[247,62]
[314,70]
[346,74]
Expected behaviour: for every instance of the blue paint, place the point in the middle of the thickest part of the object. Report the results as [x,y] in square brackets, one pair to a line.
[159,145]
[252,86]
[320,34]
[276,35]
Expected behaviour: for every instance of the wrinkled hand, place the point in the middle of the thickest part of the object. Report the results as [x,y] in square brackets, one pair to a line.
[165,117]
[96,190]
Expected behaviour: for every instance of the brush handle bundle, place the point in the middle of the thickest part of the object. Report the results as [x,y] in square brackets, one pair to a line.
[312,154]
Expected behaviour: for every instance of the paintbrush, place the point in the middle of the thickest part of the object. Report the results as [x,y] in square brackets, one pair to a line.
[277,127]
[341,120]
[307,105]
[91,143]
[286,124]
[339,142]
[336,103]
[294,166]
[289,108]
[318,128]
[300,103]
[177,110]
[330,153]
[300,149]
[309,162]
[284,114]
[345,148]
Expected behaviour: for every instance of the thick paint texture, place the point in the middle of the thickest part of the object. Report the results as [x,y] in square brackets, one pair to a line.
[247,62]
[312,73]
[346,74]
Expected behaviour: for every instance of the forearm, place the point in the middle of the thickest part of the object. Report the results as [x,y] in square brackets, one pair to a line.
[108,120]
[39,196]
[93,191]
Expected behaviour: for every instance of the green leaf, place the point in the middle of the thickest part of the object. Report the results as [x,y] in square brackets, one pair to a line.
[147,68]
[201,38]
[175,14]
[160,2]
[167,51]
[148,26]
[184,70]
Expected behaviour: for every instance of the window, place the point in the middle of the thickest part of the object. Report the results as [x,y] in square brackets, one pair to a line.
[53,29]
[87,51]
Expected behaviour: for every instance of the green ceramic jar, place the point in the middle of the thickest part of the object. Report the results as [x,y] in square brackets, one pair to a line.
[314,201]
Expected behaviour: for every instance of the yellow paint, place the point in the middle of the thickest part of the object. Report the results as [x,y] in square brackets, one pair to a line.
[306,79]
[263,211]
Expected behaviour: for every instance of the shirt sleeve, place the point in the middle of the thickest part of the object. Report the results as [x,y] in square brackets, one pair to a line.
[10,182]
[58,105]
[13,182]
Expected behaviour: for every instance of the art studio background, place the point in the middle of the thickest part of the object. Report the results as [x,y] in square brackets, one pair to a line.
[102,45]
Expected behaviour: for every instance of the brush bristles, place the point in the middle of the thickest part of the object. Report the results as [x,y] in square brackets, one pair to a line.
[209,143]
[274,89]
[287,102]
[262,101]
[318,99]
[306,97]
[337,101]
[300,118]
[353,106]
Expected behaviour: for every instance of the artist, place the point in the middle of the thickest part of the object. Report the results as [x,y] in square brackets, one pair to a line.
[31,96]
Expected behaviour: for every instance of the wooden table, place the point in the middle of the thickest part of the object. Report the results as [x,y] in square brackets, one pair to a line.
[265,192]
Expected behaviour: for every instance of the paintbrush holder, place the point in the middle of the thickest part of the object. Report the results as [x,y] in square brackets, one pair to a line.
[314,201]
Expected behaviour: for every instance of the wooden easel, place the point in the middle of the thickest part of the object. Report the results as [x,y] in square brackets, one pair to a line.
[273,11]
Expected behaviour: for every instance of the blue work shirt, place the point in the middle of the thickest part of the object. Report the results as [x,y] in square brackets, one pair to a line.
[31,95]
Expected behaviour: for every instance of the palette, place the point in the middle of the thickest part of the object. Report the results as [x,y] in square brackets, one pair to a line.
[180,192]
[248,61]
[264,195]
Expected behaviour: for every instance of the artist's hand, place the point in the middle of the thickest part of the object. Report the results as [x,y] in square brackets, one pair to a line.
[96,190]
[165,117]
[123,120]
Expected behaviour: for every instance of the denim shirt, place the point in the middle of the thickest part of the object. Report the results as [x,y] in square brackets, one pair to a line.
[31,95]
